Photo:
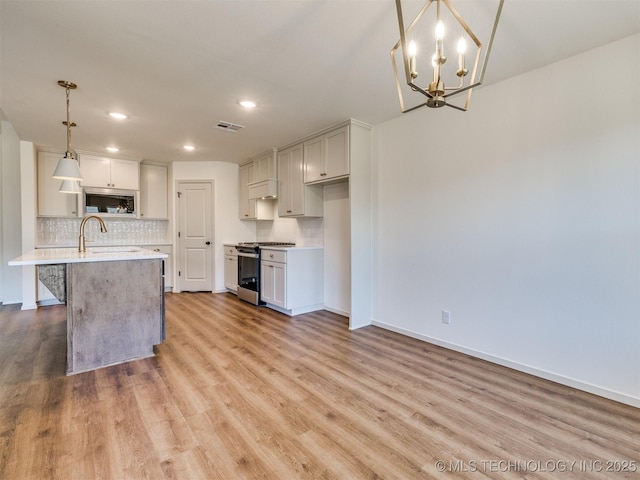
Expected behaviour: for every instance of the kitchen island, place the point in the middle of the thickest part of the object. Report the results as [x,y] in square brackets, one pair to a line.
[115,301]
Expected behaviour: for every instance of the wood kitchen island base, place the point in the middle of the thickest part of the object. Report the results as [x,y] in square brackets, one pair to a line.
[115,312]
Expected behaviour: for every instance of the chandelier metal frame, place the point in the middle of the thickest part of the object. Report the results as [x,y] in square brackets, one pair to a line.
[436,92]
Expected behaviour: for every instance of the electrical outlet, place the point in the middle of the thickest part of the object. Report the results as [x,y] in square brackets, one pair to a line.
[446,317]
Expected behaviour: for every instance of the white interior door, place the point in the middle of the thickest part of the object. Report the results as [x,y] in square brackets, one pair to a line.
[195,236]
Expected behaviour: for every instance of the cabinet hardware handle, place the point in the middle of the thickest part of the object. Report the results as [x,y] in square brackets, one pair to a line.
[271,255]
[288,211]
[156,249]
[207,243]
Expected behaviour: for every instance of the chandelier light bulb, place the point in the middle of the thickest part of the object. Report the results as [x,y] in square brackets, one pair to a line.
[439,30]
[413,49]
[462,46]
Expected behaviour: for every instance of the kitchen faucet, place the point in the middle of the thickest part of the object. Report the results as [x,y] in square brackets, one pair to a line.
[81,242]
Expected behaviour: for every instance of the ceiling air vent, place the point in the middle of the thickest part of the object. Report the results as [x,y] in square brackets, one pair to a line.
[228,126]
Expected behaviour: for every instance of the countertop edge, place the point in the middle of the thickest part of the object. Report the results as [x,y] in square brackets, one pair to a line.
[54,256]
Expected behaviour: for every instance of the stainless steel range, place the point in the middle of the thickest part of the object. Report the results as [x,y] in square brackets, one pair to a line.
[249,269]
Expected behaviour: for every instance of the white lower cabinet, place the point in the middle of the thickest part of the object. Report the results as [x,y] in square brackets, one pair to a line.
[292,279]
[274,283]
[231,268]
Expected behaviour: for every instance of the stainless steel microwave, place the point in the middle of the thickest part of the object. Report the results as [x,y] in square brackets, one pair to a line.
[110,201]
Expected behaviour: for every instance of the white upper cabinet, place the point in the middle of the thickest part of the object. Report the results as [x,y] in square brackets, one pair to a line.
[326,157]
[295,199]
[263,176]
[251,209]
[264,167]
[153,192]
[106,172]
[52,203]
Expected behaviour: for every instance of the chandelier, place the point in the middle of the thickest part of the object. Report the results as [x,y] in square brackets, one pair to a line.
[423,55]
[68,169]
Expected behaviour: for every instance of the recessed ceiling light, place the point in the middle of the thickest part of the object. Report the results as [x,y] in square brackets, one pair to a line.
[189,148]
[248,104]
[117,116]
[112,149]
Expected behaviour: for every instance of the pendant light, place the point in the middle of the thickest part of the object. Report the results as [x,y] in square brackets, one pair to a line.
[68,169]
[70,186]
[423,55]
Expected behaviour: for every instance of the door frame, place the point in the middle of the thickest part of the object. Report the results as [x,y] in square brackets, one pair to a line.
[178,251]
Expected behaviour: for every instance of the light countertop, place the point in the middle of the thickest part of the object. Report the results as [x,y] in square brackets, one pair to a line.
[52,256]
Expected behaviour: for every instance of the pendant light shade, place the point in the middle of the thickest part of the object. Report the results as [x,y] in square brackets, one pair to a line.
[68,168]
[70,186]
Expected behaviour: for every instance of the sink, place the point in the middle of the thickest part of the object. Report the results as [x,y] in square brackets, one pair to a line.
[113,249]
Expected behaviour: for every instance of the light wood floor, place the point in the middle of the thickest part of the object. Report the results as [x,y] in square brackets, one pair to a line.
[243,392]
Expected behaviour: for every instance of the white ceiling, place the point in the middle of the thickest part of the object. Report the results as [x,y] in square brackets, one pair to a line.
[177,67]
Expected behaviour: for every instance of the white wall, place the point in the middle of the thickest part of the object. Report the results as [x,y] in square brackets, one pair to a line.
[228,228]
[11,245]
[521,217]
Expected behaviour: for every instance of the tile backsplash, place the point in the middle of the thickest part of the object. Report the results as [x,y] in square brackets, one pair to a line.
[65,231]
[305,232]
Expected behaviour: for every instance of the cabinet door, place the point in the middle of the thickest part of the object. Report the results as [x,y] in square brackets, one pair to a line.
[284,192]
[279,285]
[231,272]
[106,172]
[273,283]
[52,203]
[247,207]
[266,281]
[153,191]
[264,168]
[95,171]
[296,182]
[124,174]
[336,153]
[295,199]
[314,160]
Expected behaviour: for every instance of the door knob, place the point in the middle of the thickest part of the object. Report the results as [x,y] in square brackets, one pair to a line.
[207,243]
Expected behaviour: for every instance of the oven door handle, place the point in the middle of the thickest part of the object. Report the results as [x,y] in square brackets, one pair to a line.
[249,255]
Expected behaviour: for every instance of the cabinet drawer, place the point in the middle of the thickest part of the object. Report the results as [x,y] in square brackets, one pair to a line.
[230,251]
[274,255]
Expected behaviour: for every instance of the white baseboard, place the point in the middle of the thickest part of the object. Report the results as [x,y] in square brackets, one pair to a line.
[336,311]
[568,381]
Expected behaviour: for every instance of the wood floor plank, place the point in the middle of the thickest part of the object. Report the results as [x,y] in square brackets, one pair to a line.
[238,391]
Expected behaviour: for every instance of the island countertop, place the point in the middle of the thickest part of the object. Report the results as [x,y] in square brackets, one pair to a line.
[52,256]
